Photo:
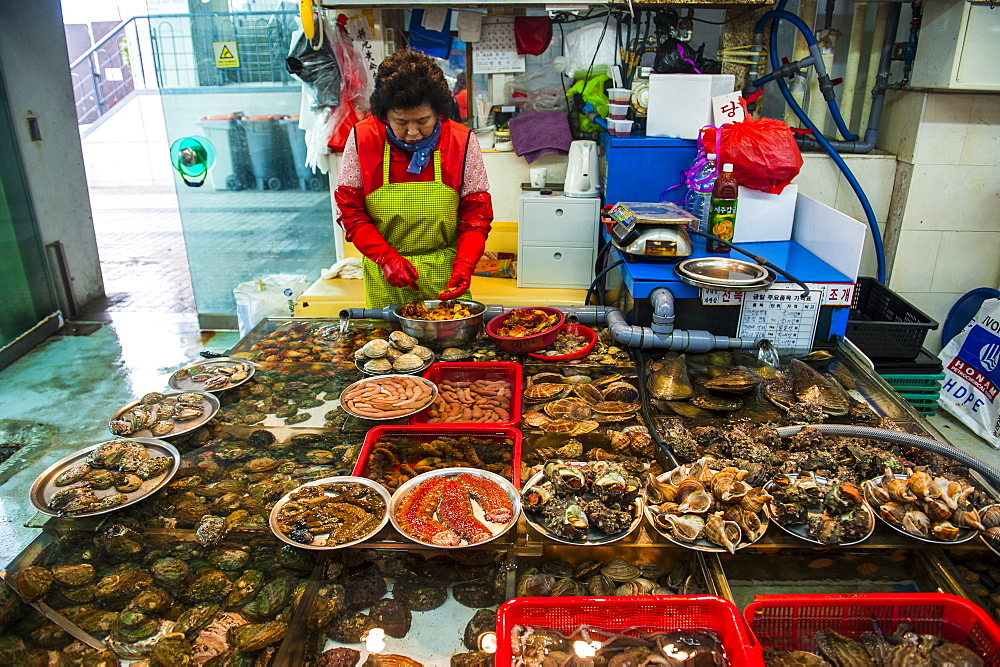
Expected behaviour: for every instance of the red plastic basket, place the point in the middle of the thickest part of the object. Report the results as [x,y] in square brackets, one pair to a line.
[527,343]
[575,329]
[470,371]
[428,432]
[634,615]
[790,622]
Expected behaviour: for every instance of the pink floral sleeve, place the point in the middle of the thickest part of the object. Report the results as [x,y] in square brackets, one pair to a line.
[475,170]
[349,174]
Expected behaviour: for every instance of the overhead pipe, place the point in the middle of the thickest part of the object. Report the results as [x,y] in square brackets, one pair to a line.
[853,62]
[878,39]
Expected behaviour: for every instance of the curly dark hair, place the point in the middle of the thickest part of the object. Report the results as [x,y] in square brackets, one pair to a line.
[407,79]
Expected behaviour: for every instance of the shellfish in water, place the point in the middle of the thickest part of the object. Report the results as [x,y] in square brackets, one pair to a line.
[671,382]
[739,380]
[811,387]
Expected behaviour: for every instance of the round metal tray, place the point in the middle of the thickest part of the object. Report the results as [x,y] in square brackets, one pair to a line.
[802,531]
[725,272]
[434,395]
[594,536]
[964,534]
[187,384]
[208,401]
[361,367]
[43,487]
[753,287]
[496,529]
[995,548]
[702,544]
[343,479]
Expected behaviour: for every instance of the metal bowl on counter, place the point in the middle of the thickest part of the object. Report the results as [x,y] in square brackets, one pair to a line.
[444,333]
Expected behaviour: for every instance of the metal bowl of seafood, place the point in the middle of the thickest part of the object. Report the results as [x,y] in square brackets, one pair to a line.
[702,509]
[990,519]
[585,503]
[454,508]
[387,397]
[216,374]
[926,508]
[164,414]
[330,513]
[104,477]
[524,330]
[810,508]
[432,322]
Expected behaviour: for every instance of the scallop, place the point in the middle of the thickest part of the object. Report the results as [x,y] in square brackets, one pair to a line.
[378,366]
[621,392]
[376,349]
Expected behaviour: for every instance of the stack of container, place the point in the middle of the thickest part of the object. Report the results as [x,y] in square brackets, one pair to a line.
[891,331]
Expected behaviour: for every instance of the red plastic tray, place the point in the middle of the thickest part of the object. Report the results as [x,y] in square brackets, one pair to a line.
[427,432]
[526,343]
[633,614]
[470,371]
[577,329]
[790,622]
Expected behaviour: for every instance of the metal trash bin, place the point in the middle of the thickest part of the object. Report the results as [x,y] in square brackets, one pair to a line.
[270,155]
[232,160]
[308,180]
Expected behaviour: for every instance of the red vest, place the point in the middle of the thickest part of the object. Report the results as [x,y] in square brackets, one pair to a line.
[371,138]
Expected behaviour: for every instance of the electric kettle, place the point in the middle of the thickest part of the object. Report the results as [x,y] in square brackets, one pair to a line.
[581,170]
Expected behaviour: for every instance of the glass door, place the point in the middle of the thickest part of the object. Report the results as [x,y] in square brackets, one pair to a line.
[24,281]
[259,211]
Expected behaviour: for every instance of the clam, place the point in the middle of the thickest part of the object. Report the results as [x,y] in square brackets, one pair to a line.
[671,382]
[630,588]
[378,366]
[621,392]
[407,362]
[568,408]
[567,587]
[423,352]
[376,348]
[738,380]
[402,341]
[546,378]
[536,585]
[620,570]
[393,354]
[599,585]
[454,354]
[586,568]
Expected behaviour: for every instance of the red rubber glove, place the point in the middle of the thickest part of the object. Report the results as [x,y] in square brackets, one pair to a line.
[468,249]
[397,269]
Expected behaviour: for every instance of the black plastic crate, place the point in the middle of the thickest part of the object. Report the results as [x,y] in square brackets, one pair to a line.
[925,363]
[884,325]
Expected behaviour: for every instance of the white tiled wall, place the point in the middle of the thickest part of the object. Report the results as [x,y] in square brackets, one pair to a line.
[950,216]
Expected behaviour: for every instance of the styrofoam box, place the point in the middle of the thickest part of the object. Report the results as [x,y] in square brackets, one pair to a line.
[761,216]
[681,104]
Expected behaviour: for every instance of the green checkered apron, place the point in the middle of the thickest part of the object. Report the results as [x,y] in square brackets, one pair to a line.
[418,220]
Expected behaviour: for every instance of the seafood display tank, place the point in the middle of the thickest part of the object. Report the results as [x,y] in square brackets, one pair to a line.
[637,474]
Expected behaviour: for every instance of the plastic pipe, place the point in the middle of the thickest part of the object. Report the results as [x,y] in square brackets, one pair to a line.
[853,61]
[991,474]
[662,301]
[878,41]
[687,341]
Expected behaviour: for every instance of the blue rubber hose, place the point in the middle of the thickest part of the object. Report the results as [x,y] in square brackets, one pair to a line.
[832,152]
[831,102]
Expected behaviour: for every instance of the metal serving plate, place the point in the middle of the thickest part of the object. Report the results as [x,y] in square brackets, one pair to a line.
[187,384]
[752,287]
[434,395]
[802,531]
[594,536]
[495,529]
[964,534]
[344,479]
[724,272]
[43,487]
[361,367]
[208,401]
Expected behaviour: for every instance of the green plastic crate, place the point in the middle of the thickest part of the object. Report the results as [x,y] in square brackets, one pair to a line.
[915,383]
[925,404]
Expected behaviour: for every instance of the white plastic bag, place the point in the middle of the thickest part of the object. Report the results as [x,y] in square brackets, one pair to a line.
[971,387]
[273,296]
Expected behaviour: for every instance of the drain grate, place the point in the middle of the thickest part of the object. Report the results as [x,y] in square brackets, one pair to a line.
[79,328]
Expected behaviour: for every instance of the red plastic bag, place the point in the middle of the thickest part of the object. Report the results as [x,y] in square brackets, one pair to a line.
[355,87]
[763,152]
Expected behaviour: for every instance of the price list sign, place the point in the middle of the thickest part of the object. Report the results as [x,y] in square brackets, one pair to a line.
[782,315]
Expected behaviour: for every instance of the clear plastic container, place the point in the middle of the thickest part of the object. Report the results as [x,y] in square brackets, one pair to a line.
[620,95]
[619,128]
[618,111]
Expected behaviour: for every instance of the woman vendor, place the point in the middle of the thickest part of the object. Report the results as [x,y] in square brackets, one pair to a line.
[412,193]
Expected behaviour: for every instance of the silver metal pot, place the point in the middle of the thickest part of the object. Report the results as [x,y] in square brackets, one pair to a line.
[445,333]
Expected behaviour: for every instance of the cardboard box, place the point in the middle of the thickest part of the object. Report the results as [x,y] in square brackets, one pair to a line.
[681,104]
[761,216]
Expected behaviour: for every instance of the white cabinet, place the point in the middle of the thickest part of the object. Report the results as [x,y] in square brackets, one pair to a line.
[958,43]
[556,240]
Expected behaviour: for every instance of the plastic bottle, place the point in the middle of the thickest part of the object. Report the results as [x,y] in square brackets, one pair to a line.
[722,219]
[699,199]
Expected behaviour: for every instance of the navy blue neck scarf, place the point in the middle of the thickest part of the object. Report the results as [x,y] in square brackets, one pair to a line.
[421,150]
